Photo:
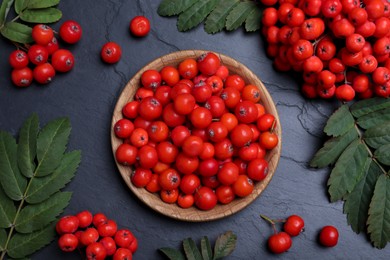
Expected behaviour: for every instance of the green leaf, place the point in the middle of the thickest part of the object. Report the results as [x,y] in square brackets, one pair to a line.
[46,15]
[42,188]
[7,210]
[3,239]
[348,170]
[379,213]
[216,20]
[378,135]
[4,9]
[194,15]
[382,154]
[22,245]
[239,14]
[358,201]
[174,7]
[20,5]
[28,145]
[36,216]
[51,145]
[17,32]
[332,149]
[225,245]
[11,179]
[190,249]
[37,4]
[253,21]
[370,105]
[172,254]
[374,118]
[205,247]
[339,122]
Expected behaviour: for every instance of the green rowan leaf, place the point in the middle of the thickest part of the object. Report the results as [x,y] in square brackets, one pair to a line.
[216,20]
[378,135]
[190,249]
[4,9]
[382,154]
[17,32]
[239,14]
[7,210]
[20,5]
[174,7]
[206,250]
[38,4]
[172,254]
[253,21]
[379,213]
[375,118]
[224,245]
[28,145]
[3,239]
[348,170]
[22,245]
[46,15]
[51,145]
[195,14]
[358,201]
[37,216]
[332,149]
[370,105]
[12,181]
[339,122]
[42,188]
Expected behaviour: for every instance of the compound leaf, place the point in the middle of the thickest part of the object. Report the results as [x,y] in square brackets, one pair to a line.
[27,147]
[224,245]
[378,135]
[172,254]
[17,32]
[339,122]
[253,21]
[20,5]
[382,154]
[4,9]
[205,247]
[216,20]
[358,201]
[348,170]
[12,181]
[51,145]
[374,118]
[45,15]
[239,14]
[7,210]
[195,14]
[38,4]
[379,213]
[332,149]
[174,7]
[370,105]
[22,245]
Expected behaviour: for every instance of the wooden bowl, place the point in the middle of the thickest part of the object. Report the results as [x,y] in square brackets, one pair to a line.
[173,210]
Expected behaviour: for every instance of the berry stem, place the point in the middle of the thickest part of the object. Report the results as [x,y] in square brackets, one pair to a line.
[271,221]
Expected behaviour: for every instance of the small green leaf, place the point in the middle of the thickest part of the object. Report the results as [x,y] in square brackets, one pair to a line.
[225,245]
[194,15]
[370,105]
[37,4]
[379,213]
[375,118]
[216,20]
[253,21]
[12,181]
[172,254]
[239,14]
[332,149]
[7,210]
[339,122]
[4,9]
[42,188]
[22,245]
[358,201]
[3,239]
[17,32]
[378,135]
[51,145]
[205,247]
[192,252]
[348,170]
[37,216]
[20,5]
[28,145]
[382,154]
[46,15]
[174,7]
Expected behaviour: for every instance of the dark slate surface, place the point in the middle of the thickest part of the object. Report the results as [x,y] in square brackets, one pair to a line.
[87,95]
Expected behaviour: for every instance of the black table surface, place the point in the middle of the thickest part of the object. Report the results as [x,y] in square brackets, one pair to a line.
[88,94]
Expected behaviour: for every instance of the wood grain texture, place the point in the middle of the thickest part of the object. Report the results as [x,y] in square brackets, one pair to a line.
[153,200]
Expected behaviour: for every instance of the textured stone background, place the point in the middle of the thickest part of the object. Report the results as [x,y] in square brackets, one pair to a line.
[87,95]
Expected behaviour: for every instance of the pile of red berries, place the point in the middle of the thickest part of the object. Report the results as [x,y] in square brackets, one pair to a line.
[195,134]
[341,47]
[45,55]
[98,234]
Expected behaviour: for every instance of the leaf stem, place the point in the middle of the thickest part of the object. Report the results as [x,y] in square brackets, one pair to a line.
[15,18]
